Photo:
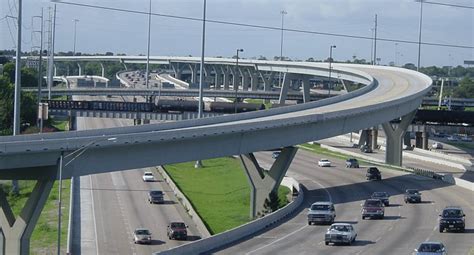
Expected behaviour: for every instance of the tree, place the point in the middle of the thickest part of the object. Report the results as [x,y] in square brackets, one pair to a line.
[465,88]
[272,202]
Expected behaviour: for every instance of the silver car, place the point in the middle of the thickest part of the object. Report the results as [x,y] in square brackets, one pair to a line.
[431,248]
[340,233]
[142,235]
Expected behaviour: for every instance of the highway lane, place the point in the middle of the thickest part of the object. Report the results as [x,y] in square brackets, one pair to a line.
[114,204]
[404,227]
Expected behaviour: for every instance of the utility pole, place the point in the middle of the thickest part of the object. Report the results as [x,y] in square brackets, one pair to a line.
[283,13]
[201,71]
[75,31]
[375,40]
[16,111]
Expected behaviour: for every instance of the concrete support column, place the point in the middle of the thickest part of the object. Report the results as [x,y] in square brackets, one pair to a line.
[262,182]
[364,137]
[306,89]
[267,81]
[103,69]
[393,151]
[284,87]
[194,73]
[80,69]
[244,74]
[177,69]
[217,78]
[225,78]
[17,232]
[55,71]
[425,136]
[253,80]
[235,78]
[375,134]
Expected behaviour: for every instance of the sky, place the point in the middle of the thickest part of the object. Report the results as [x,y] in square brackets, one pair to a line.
[99,31]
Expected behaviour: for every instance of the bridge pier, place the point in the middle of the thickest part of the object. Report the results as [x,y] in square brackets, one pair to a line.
[225,77]
[253,80]
[306,89]
[55,70]
[244,75]
[285,85]
[217,78]
[102,70]
[177,69]
[394,135]
[80,69]
[193,69]
[17,231]
[262,182]
[375,134]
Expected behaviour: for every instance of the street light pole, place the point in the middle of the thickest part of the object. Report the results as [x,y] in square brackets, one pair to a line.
[148,49]
[236,83]
[330,69]
[40,65]
[75,26]
[419,35]
[16,110]
[283,13]
[198,163]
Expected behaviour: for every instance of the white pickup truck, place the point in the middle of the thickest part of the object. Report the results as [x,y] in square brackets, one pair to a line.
[321,212]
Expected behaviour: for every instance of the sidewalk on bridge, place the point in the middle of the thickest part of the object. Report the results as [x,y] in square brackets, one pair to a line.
[340,143]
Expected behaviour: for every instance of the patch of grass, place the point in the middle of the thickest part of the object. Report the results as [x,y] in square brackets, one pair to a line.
[60,125]
[259,101]
[283,193]
[469,146]
[219,192]
[44,237]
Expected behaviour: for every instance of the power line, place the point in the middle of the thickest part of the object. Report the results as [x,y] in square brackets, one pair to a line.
[266,27]
[450,5]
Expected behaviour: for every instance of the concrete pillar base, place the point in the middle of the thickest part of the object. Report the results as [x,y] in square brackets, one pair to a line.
[375,133]
[394,135]
[17,232]
[262,183]
[284,88]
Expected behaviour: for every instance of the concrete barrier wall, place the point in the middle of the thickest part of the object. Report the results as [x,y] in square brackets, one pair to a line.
[186,204]
[233,235]
[442,155]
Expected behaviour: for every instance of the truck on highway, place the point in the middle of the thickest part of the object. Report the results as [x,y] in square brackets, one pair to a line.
[321,212]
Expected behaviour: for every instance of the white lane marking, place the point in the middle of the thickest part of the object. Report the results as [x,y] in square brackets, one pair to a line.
[279,239]
[93,217]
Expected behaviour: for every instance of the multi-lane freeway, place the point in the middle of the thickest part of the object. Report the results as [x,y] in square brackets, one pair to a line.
[404,227]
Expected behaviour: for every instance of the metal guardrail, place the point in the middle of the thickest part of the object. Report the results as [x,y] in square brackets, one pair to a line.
[427,173]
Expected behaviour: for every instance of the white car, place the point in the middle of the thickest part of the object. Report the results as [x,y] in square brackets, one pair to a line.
[452,138]
[437,146]
[466,139]
[324,163]
[148,177]
[343,233]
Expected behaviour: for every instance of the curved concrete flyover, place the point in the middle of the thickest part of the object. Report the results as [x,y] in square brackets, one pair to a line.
[391,93]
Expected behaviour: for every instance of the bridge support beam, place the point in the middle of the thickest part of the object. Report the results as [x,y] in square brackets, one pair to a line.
[225,77]
[375,133]
[217,78]
[394,135]
[262,182]
[285,85]
[80,69]
[177,69]
[17,232]
[244,75]
[102,69]
[194,73]
[306,90]
[253,80]
[55,70]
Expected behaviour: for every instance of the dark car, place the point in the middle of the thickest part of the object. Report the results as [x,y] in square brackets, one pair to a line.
[155,196]
[383,196]
[352,163]
[412,196]
[373,208]
[177,230]
[452,218]
[373,173]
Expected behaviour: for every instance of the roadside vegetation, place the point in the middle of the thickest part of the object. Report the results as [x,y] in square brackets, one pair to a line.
[44,236]
[219,192]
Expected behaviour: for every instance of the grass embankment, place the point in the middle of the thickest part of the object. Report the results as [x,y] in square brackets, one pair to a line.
[259,101]
[219,192]
[44,236]
[462,145]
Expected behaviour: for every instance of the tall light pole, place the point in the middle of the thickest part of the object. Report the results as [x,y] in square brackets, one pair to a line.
[330,68]
[283,13]
[201,71]
[375,40]
[236,83]
[419,34]
[40,64]
[77,153]
[51,52]
[148,48]
[396,54]
[75,27]
[16,110]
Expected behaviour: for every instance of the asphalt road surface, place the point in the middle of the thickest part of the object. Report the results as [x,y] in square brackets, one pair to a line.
[112,205]
[404,227]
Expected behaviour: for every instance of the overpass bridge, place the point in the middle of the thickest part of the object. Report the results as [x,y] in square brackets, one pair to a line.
[390,93]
